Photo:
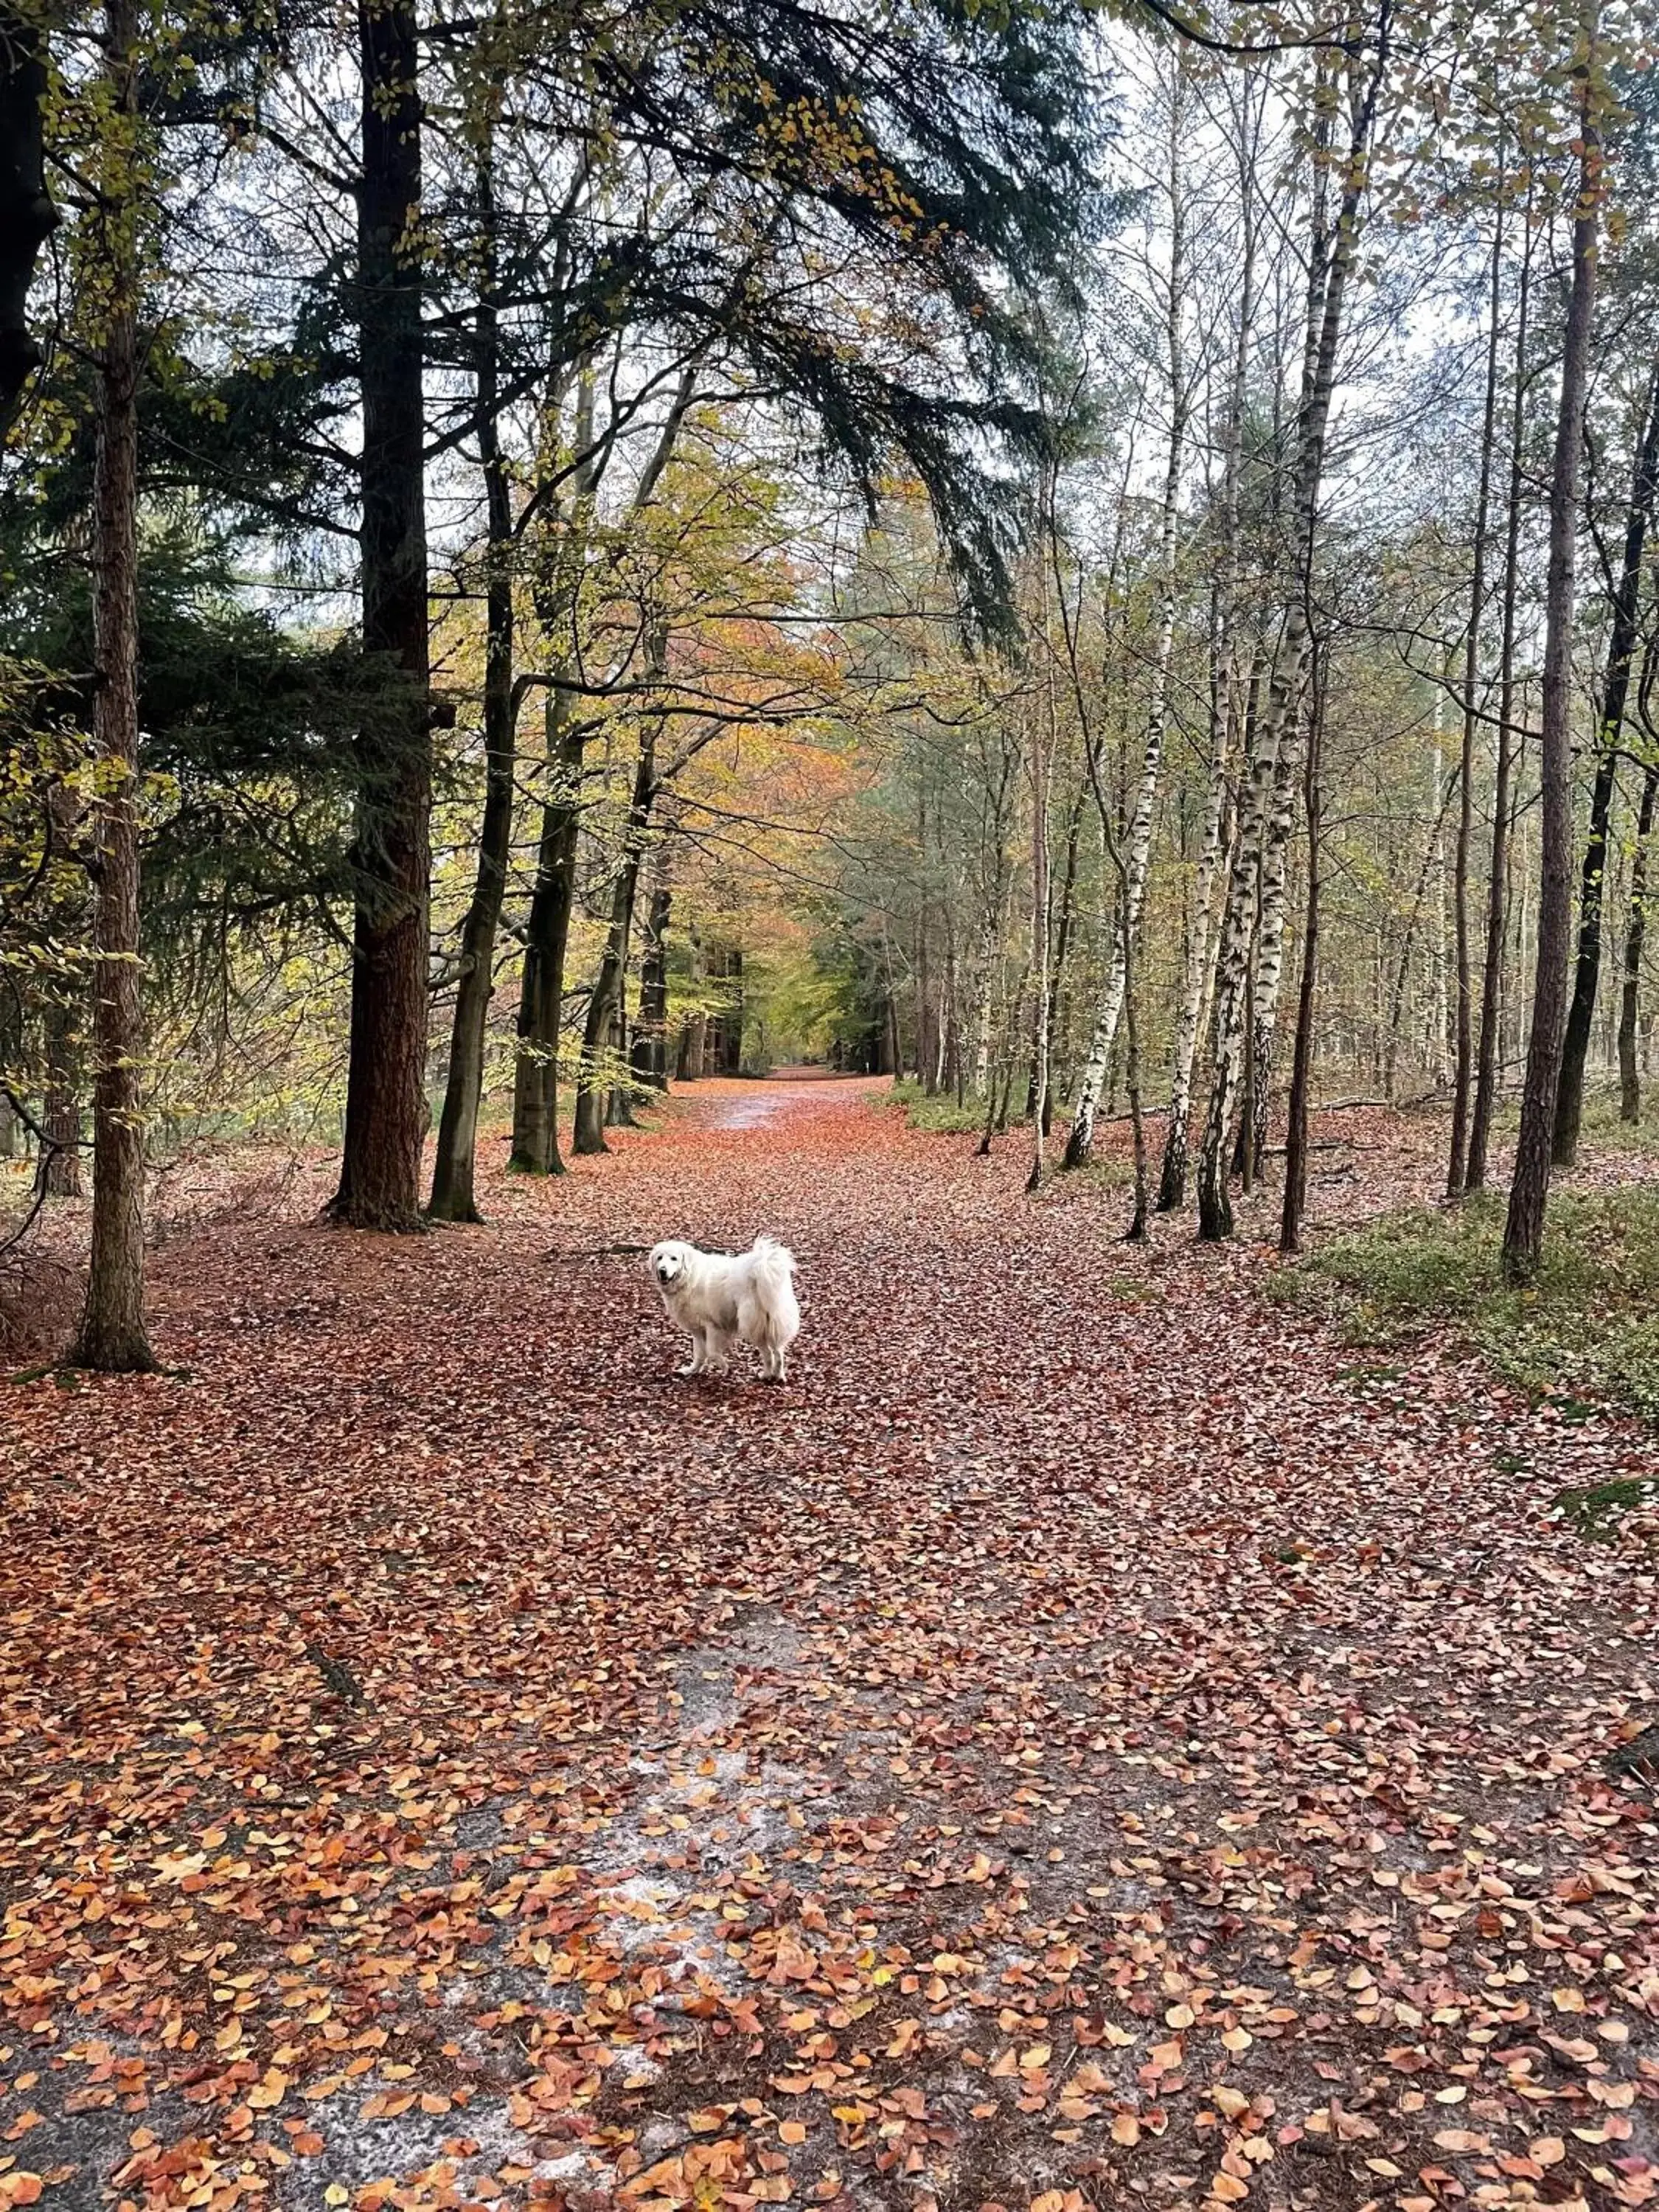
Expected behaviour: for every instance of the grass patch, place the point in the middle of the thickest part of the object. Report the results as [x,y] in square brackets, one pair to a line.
[941,1114]
[1115,1175]
[1601,1128]
[1597,1511]
[1585,1333]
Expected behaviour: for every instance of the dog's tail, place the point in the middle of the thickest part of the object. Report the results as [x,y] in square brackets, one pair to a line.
[774,1265]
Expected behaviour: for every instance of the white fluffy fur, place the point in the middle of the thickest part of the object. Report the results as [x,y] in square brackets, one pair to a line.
[721,1298]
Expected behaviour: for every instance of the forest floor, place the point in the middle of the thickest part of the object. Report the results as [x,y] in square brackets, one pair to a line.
[1089,1740]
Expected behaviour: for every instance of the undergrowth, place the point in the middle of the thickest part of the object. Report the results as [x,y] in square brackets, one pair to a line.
[1603,1128]
[940,1114]
[1588,1330]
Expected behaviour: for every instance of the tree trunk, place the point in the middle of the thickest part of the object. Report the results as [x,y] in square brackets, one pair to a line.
[1295,1135]
[951,1044]
[1491,981]
[1329,264]
[1133,888]
[13,1141]
[1091,1086]
[535,1148]
[27,217]
[1064,924]
[1245,1154]
[1201,953]
[650,1049]
[604,1007]
[985,1008]
[1621,649]
[619,1099]
[1463,1071]
[920,962]
[547,934]
[1227,714]
[111,1337]
[1437,1055]
[728,1026]
[1402,973]
[1630,1079]
[60,1152]
[386,1117]
[1041,759]
[593,1083]
[693,1038]
[992,930]
[1269,957]
[1136,1233]
[1523,1231]
[452,1194]
[1229,998]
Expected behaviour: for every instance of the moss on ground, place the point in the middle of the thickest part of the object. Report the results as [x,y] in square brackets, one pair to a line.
[1586,1332]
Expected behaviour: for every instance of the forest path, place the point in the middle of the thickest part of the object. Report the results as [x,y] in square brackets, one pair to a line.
[1087,1737]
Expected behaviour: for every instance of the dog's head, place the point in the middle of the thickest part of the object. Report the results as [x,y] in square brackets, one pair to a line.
[668,1262]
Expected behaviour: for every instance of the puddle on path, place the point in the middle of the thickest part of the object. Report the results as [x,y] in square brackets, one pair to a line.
[753,1113]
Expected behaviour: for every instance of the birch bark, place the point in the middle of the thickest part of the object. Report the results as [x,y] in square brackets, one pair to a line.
[1133,888]
[1330,263]
[1463,1069]
[1523,1228]
[1489,1053]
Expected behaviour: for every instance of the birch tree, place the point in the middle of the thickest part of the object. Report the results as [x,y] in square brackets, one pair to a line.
[1228,710]
[1523,1228]
[1330,263]
[1463,1062]
[1139,840]
[1491,984]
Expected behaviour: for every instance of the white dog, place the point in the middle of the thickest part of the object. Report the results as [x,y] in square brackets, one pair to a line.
[720,1296]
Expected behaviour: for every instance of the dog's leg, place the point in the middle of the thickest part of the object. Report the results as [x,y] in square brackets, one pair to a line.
[695,1365]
